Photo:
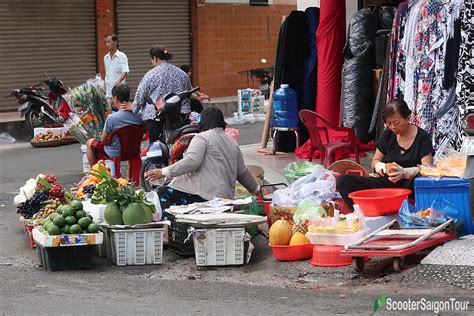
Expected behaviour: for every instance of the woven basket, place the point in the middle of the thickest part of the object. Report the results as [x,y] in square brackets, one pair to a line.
[49,143]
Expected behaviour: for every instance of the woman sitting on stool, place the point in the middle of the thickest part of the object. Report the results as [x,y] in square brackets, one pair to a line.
[402,143]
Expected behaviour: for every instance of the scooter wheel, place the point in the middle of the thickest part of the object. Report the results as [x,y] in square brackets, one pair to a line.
[146,185]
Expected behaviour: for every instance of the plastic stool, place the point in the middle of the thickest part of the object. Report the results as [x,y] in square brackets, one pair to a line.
[284,129]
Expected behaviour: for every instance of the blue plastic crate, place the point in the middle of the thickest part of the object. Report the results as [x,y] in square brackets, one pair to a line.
[453,190]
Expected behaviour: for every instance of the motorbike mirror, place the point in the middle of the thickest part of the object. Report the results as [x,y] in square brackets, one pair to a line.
[147,98]
[194,90]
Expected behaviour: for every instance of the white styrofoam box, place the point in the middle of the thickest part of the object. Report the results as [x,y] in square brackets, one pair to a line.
[54,130]
[336,239]
[219,247]
[243,100]
[135,246]
[244,94]
[257,104]
[95,210]
[67,240]
[375,222]
[85,162]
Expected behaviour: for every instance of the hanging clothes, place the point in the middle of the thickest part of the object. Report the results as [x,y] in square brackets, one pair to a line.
[465,73]
[311,63]
[280,56]
[310,70]
[330,39]
[429,25]
[397,56]
[452,56]
[295,51]
[377,123]
[423,53]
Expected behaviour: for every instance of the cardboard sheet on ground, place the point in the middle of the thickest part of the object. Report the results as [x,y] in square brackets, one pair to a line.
[221,220]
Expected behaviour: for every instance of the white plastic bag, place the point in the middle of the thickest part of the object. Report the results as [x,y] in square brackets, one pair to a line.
[318,186]
[153,197]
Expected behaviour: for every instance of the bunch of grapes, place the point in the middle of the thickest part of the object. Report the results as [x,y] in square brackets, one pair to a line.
[32,205]
[51,179]
[56,192]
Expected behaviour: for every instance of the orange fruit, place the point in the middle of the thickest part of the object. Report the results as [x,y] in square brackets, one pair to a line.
[94,179]
[122,181]
[390,168]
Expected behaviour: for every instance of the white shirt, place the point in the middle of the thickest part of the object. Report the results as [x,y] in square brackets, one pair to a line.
[114,66]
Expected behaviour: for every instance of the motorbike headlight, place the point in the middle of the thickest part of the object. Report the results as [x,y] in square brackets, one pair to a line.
[468,123]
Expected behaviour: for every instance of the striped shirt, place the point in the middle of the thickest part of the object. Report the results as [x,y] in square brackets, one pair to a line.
[158,83]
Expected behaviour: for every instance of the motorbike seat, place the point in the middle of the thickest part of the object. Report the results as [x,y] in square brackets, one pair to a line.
[186,129]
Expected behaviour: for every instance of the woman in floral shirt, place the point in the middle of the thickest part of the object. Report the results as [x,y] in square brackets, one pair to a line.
[158,82]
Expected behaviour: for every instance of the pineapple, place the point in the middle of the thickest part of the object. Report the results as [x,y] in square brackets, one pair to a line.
[300,227]
[342,227]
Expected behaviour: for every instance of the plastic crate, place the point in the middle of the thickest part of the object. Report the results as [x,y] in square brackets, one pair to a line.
[453,190]
[65,258]
[219,247]
[135,246]
[178,233]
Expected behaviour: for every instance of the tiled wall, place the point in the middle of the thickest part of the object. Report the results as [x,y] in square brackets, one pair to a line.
[228,38]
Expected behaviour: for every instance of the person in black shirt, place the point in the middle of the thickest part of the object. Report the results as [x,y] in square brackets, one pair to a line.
[403,144]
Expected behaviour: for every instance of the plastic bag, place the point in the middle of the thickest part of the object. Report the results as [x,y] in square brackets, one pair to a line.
[447,161]
[307,211]
[318,186]
[153,197]
[297,169]
[409,216]
[339,224]
[254,208]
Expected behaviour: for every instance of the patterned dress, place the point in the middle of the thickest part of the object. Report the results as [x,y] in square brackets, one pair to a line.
[429,25]
[465,73]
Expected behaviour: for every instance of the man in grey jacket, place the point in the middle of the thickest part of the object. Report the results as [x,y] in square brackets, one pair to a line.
[212,164]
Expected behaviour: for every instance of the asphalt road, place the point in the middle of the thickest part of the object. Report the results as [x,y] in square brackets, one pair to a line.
[177,286]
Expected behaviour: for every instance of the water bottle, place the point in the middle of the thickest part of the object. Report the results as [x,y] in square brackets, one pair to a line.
[285,107]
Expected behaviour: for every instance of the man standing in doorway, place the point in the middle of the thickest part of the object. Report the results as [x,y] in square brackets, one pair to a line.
[116,65]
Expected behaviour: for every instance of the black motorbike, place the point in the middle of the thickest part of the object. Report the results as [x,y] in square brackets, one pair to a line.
[40,109]
[176,136]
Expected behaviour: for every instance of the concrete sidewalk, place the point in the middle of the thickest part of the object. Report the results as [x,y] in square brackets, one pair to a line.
[273,165]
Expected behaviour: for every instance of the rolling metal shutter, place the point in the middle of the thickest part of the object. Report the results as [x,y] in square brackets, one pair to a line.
[56,36]
[144,23]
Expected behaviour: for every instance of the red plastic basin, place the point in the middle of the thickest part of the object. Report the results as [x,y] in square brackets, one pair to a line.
[292,253]
[379,202]
[329,256]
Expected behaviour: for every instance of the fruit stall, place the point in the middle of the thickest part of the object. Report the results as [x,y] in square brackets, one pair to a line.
[305,220]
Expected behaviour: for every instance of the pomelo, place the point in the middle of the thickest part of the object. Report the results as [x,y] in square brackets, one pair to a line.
[135,214]
[112,214]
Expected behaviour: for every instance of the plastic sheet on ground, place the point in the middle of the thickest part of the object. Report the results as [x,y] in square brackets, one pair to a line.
[6,138]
